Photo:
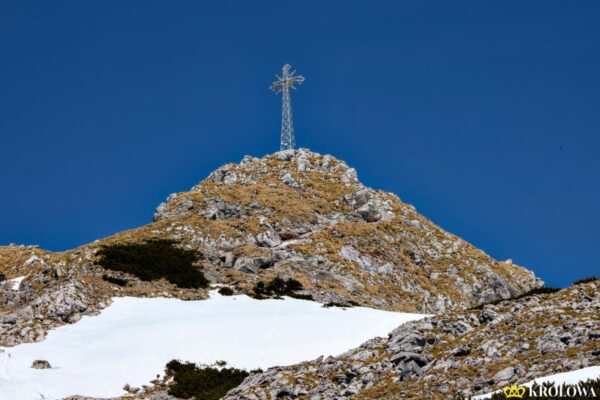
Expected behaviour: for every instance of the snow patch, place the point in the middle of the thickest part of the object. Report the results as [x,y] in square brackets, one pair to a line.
[133,339]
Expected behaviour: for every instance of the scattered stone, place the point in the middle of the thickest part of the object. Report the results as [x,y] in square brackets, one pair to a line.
[10,319]
[268,239]
[504,375]
[40,364]
[288,179]
[229,259]
[488,314]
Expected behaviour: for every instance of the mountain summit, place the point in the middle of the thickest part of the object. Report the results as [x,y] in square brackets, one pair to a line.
[293,222]
[304,215]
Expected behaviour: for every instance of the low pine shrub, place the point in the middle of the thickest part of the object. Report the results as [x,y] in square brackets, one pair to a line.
[301,296]
[341,305]
[202,383]
[225,291]
[153,260]
[279,287]
[586,280]
[260,291]
[542,290]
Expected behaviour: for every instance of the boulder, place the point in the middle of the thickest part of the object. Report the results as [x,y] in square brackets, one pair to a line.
[268,239]
[369,213]
[217,210]
[302,162]
[285,155]
[488,314]
[549,343]
[288,179]
[245,264]
[504,375]
[228,259]
[251,265]
[40,364]
[10,319]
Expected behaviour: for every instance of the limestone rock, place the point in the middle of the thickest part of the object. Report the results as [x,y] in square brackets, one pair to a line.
[504,375]
[40,364]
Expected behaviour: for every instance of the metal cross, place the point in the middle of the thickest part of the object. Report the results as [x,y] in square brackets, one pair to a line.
[283,84]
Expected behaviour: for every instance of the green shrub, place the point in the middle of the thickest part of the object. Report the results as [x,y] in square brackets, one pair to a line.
[279,287]
[260,291]
[225,291]
[115,279]
[202,383]
[154,259]
[586,280]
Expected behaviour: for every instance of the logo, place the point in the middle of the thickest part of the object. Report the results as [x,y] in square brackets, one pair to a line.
[550,390]
[514,391]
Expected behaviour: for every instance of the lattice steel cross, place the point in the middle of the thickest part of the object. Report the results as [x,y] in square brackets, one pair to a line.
[283,84]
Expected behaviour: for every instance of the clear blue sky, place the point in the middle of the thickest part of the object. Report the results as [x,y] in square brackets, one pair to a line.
[483,114]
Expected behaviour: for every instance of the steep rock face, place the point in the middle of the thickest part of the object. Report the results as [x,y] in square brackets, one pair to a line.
[451,356]
[306,215]
[292,214]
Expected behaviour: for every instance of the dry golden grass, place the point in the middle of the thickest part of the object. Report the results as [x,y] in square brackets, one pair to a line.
[12,259]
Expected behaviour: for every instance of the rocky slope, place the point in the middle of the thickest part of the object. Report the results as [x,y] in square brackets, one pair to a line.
[292,214]
[452,356]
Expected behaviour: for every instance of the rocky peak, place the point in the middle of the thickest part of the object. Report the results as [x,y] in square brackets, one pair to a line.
[303,214]
[289,169]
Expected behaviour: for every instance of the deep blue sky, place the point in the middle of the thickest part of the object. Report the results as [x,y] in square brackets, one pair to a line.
[484,115]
